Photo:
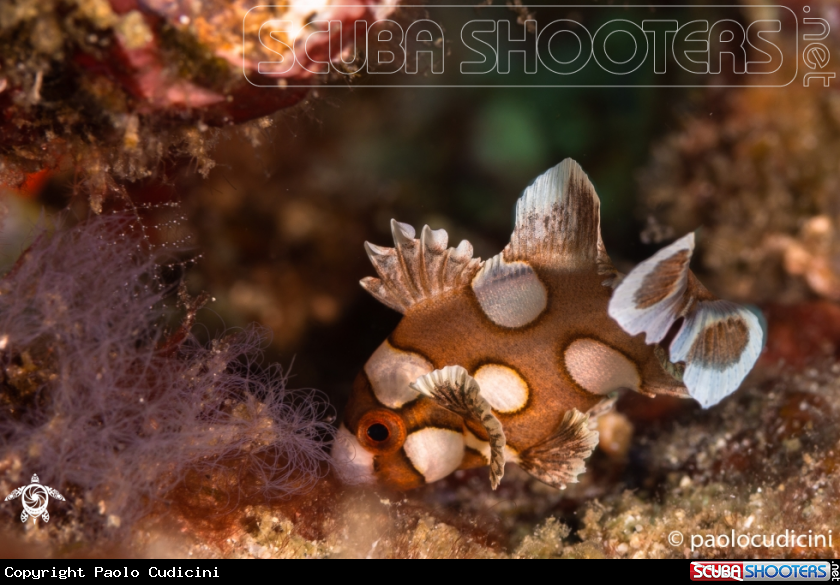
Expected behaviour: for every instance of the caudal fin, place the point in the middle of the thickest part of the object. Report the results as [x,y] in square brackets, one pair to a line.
[717,341]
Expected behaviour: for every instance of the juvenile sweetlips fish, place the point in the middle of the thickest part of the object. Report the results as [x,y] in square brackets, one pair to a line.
[514,358]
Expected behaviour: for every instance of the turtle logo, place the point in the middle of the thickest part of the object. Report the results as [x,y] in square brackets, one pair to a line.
[35,499]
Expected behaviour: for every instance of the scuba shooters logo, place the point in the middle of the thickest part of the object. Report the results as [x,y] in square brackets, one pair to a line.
[764,571]
[539,46]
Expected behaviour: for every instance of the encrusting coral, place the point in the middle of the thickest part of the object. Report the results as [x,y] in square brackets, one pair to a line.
[110,407]
[111,88]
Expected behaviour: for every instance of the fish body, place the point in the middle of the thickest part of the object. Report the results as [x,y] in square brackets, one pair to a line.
[512,359]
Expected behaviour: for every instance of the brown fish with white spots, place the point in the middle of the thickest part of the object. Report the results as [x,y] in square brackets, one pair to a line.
[512,359]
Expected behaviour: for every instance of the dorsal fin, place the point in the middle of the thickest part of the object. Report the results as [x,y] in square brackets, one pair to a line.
[558,222]
[718,341]
[415,270]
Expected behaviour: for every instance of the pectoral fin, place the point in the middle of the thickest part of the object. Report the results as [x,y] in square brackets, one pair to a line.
[559,459]
[454,389]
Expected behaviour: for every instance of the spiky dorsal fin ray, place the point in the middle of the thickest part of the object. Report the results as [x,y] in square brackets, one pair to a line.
[418,269]
[718,341]
[558,222]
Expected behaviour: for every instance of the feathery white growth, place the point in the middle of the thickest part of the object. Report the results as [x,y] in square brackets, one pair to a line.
[107,406]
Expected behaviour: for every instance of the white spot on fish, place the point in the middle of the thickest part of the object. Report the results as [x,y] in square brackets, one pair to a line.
[510,294]
[599,368]
[391,370]
[353,462]
[435,453]
[502,387]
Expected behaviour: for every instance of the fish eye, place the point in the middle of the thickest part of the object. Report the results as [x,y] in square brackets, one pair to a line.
[378,432]
[381,431]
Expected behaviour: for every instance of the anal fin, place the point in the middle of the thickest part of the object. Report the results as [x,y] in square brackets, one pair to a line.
[559,459]
[455,390]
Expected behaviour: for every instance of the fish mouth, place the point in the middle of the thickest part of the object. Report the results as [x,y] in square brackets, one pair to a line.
[352,462]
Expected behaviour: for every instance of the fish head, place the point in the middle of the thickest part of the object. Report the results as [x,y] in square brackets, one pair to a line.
[392,435]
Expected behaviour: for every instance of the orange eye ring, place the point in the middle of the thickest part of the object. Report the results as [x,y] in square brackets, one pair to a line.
[381,431]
